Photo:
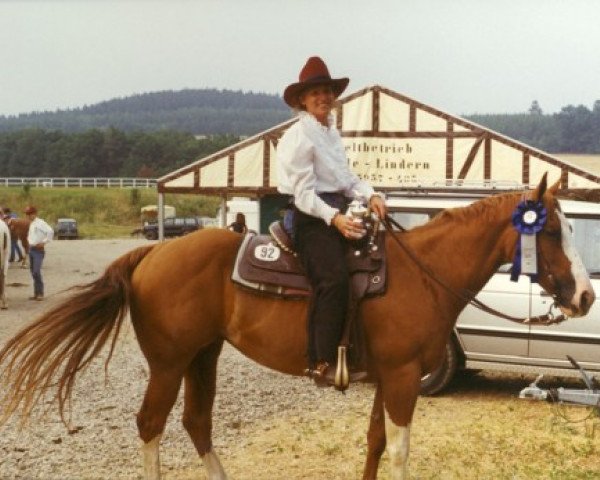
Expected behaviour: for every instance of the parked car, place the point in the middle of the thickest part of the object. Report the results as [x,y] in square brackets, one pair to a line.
[208,222]
[66,228]
[173,227]
[481,341]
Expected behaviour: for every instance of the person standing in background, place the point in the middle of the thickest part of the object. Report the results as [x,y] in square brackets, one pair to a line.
[40,233]
[239,225]
[15,250]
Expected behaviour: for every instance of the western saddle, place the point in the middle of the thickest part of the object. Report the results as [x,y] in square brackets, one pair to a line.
[268,264]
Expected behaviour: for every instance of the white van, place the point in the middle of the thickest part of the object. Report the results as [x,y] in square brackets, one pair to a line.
[483,341]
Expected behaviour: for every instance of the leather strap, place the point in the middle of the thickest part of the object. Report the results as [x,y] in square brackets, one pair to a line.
[467,295]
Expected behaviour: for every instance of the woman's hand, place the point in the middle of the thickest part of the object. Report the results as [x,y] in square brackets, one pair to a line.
[348,227]
[377,205]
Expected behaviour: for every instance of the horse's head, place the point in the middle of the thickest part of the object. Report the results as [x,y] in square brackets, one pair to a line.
[561,270]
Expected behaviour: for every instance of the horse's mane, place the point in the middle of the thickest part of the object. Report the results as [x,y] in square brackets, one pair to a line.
[485,209]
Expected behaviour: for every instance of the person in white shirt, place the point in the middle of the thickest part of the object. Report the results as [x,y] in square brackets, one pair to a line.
[40,233]
[313,170]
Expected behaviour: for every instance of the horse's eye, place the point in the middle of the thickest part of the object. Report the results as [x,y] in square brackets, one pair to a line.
[553,233]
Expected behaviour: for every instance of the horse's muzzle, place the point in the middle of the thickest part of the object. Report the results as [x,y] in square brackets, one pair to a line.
[579,304]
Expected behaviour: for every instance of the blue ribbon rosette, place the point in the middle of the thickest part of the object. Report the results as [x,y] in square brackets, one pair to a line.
[528,219]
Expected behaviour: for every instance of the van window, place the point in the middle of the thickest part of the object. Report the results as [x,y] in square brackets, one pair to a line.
[586,235]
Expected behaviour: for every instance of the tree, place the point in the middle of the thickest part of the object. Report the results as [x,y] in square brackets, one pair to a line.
[535,108]
[115,150]
[146,172]
[576,133]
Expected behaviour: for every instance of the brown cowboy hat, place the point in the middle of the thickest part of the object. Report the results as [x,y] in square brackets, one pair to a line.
[313,73]
[30,209]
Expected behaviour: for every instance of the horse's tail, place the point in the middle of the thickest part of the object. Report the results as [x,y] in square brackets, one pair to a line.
[57,346]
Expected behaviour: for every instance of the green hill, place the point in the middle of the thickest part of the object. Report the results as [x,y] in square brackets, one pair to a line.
[199,112]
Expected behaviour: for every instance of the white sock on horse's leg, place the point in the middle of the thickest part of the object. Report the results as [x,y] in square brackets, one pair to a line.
[151,459]
[213,466]
[397,446]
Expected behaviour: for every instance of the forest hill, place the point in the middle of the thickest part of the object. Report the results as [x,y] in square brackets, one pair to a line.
[101,153]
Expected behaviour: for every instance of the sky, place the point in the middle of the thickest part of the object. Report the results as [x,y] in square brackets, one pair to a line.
[460,56]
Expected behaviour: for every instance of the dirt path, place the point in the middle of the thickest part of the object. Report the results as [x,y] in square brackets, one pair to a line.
[67,263]
[273,427]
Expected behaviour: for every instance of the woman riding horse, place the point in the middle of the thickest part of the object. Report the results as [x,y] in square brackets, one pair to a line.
[314,172]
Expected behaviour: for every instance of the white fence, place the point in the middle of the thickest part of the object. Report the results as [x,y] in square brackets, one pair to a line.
[78,182]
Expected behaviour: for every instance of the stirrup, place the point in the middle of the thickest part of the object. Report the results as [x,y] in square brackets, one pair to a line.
[342,377]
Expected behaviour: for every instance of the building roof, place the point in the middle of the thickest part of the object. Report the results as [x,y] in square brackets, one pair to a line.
[393,142]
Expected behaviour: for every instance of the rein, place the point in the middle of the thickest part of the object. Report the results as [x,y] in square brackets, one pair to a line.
[466,295]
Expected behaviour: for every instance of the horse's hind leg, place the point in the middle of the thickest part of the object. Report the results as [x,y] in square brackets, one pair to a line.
[200,389]
[375,437]
[161,394]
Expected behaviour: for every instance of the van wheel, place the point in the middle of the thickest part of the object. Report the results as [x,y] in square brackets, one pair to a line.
[439,379]
[151,235]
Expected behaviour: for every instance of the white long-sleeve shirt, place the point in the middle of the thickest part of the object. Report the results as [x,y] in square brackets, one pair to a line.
[39,232]
[311,160]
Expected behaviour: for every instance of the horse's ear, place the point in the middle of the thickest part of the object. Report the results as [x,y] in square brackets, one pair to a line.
[538,193]
[554,188]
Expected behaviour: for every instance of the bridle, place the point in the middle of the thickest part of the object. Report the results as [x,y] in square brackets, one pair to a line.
[467,295]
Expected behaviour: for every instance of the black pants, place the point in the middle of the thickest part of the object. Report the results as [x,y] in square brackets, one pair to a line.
[321,249]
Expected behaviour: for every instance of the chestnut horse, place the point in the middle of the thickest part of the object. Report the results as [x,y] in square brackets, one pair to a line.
[183,306]
[19,229]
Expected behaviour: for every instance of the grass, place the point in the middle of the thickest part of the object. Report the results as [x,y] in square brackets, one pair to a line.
[590,163]
[478,430]
[452,439]
[101,212]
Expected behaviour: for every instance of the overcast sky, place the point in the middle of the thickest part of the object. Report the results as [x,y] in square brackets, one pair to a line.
[461,56]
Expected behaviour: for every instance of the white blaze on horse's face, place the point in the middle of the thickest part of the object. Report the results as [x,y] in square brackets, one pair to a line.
[584,295]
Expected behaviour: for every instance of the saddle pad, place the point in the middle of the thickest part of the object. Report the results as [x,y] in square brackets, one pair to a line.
[262,265]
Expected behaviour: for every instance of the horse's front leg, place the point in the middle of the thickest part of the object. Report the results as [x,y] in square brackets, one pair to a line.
[400,388]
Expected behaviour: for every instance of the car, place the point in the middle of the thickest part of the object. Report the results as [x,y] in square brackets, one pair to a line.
[66,228]
[173,227]
[208,222]
[482,341]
